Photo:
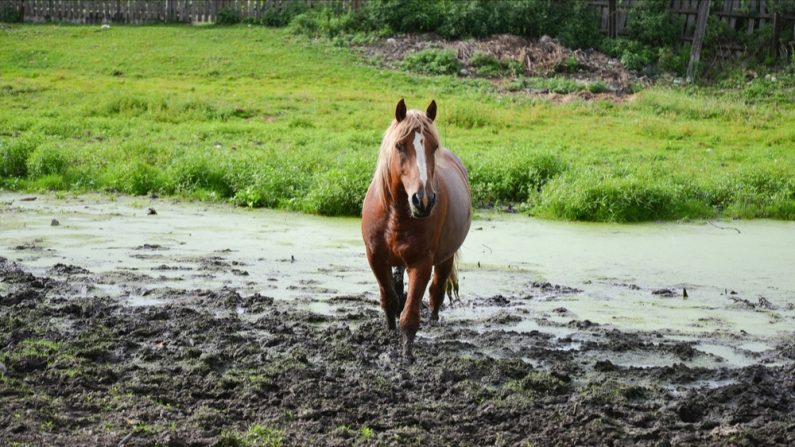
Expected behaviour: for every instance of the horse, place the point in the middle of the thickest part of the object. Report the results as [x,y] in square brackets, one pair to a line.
[415,216]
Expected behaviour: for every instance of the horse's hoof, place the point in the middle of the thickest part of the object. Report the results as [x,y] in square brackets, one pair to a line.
[408,359]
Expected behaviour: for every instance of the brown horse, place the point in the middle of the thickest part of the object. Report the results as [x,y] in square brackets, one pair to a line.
[415,216]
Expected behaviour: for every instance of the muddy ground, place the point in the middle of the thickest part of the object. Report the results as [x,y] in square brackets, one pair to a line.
[213,367]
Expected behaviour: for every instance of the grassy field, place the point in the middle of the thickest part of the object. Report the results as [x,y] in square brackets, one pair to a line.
[262,118]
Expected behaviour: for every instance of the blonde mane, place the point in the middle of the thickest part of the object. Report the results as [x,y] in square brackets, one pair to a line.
[397,131]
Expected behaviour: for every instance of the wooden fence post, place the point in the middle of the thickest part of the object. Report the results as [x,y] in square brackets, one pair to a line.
[612,31]
[776,41]
[698,38]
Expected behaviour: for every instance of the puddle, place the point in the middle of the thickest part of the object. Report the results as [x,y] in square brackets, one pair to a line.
[311,259]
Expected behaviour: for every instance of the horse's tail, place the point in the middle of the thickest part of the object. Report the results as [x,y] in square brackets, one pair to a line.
[451,286]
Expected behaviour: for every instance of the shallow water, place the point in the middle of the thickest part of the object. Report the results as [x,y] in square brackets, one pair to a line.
[311,259]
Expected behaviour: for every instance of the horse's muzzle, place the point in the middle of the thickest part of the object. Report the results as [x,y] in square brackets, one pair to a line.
[422,206]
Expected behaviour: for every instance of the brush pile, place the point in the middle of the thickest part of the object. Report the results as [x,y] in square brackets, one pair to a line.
[544,57]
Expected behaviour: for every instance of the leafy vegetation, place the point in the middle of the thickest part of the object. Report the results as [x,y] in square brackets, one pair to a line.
[228,16]
[574,22]
[226,113]
[432,61]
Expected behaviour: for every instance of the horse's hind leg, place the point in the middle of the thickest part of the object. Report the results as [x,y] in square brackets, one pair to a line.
[397,279]
[436,292]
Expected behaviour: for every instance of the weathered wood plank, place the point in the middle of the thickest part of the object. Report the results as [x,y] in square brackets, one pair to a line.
[698,38]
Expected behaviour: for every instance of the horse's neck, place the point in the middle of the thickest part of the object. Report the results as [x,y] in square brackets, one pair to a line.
[398,208]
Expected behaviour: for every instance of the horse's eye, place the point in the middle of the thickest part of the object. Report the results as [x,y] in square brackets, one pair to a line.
[401,147]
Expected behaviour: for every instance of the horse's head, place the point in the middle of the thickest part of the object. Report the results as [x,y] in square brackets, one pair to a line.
[411,142]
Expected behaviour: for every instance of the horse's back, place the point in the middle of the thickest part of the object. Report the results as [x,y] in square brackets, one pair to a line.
[459,203]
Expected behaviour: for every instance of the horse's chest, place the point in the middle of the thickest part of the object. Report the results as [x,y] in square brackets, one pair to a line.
[409,244]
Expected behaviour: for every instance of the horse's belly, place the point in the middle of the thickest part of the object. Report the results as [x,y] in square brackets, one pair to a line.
[459,217]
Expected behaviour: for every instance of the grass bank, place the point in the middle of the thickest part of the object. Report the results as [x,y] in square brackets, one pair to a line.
[261,118]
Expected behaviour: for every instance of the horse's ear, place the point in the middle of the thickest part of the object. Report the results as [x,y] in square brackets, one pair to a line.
[400,110]
[431,112]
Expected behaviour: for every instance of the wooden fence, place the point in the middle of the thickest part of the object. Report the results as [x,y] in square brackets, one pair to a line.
[747,15]
[151,11]
[740,15]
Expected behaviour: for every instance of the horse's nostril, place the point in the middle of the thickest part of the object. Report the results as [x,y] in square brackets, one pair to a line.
[431,199]
[415,199]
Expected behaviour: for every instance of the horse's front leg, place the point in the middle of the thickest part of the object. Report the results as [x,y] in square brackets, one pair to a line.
[389,298]
[419,275]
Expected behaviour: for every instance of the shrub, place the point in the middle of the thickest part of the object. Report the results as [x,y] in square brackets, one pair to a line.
[572,21]
[137,178]
[405,15]
[46,160]
[487,64]
[673,61]
[578,24]
[340,191]
[652,23]
[10,14]
[432,61]
[512,178]
[14,156]
[267,182]
[633,54]
[228,16]
[200,171]
[598,87]
[606,199]
[281,14]
[324,22]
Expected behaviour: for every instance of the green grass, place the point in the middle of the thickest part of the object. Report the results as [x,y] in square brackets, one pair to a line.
[262,118]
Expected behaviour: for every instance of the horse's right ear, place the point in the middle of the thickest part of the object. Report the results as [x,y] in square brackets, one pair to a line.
[400,110]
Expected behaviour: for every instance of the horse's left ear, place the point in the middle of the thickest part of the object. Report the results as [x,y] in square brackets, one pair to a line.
[431,112]
[400,110]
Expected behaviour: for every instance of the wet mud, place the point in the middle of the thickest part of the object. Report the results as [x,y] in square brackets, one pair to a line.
[219,367]
[119,327]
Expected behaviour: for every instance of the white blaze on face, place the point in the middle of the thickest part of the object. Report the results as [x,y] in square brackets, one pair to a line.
[419,150]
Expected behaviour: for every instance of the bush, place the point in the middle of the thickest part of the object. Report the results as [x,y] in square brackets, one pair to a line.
[633,54]
[228,16]
[137,178]
[14,156]
[282,14]
[324,23]
[610,199]
[10,14]
[198,171]
[268,182]
[46,160]
[487,64]
[432,61]
[572,21]
[578,24]
[512,178]
[340,191]
[652,23]
[404,16]
[673,61]
[597,87]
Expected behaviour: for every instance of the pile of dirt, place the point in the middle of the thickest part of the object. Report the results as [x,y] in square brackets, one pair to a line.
[544,57]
